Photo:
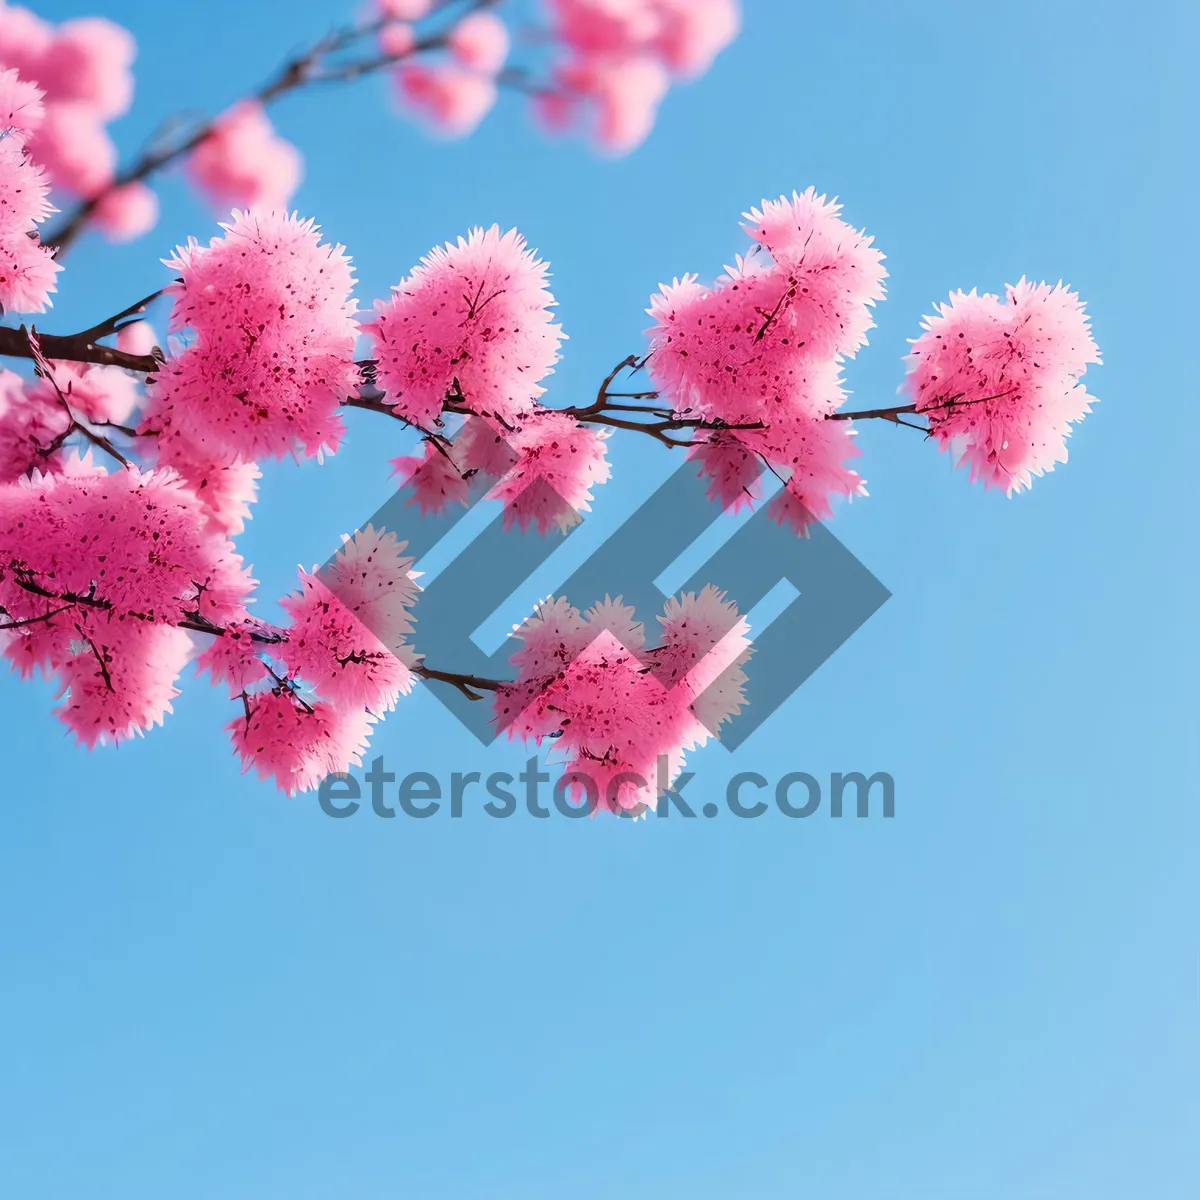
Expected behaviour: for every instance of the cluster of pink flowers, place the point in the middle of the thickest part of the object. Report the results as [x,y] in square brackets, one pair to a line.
[108,581]
[614,708]
[243,163]
[27,269]
[455,91]
[618,60]
[83,68]
[474,323]
[269,311]
[98,574]
[758,355]
[998,379]
[312,691]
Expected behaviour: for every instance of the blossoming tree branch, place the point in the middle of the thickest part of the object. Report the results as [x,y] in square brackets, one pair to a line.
[127,471]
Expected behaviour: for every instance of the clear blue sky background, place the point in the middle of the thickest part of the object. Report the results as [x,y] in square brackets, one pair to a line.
[210,990]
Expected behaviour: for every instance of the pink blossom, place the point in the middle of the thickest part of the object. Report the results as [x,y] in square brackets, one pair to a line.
[297,743]
[732,470]
[373,579]
[999,380]
[120,679]
[27,271]
[435,477]
[226,488]
[453,99]
[95,393]
[614,708]
[627,93]
[476,313]
[404,10]
[397,39]
[88,62]
[480,42]
[338,654]
[759,353]
[74,148]
[243,163]
[693,32]
[97,572]
[558,463]
[82,66]
[24,39]
[125,213]
[32,427]
[621,54]
[235,657]
[137,337]
[273,355]
[21,107]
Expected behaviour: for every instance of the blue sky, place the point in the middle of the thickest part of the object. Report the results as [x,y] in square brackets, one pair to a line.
[212,990]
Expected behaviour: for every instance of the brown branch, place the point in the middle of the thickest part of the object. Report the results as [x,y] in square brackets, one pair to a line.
[74,347]
[469,685]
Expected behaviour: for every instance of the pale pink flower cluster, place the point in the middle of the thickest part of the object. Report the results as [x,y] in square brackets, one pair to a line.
[270,315]
[615,708]
[35,418]
[83,67]
[454,92]
[97,573]
[999,379]
[243,163]
[27,271]
[544,467]
[759,355]
[342,662]
[620,56]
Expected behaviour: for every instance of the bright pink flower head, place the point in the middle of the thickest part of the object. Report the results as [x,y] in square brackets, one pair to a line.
[295,742]
[343,659]
[27,271]
[88,62]
[453,99]
[75,150]
[476,313]
[273,357]
[833,273]
[21,107]
[135,544]
[225,487]
[97,572]
[120,680]
[999,380]
[243,163]
[558,463]
[125,213]
[480,42]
